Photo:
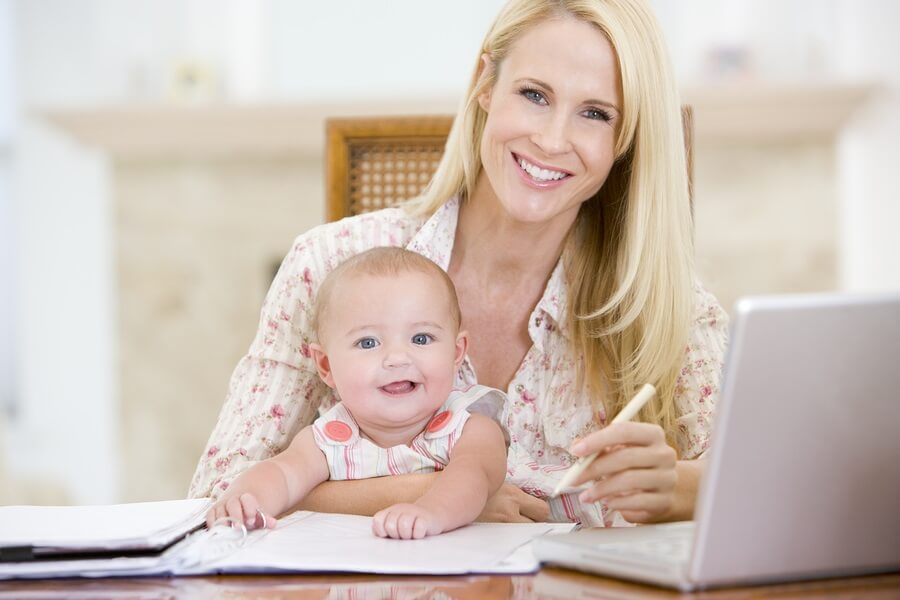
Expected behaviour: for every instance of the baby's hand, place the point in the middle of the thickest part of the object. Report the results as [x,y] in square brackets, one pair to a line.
[243,509]
[406,522]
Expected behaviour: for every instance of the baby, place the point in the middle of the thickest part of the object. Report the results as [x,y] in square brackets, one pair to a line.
[389,343]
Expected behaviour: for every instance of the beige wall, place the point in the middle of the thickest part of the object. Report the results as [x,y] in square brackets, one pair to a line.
[197,244]
[765,218]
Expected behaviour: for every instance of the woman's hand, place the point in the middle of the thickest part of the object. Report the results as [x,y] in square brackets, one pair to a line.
[634,472]
[509,504]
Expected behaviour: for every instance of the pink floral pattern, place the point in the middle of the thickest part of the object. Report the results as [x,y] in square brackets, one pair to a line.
[275,390]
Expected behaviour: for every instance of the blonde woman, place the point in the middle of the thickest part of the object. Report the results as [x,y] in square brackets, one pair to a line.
[560,211]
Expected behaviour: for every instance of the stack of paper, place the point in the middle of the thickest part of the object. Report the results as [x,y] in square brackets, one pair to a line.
[40,532]
[125,540]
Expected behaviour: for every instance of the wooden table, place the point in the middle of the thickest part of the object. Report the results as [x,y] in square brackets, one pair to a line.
[548,583]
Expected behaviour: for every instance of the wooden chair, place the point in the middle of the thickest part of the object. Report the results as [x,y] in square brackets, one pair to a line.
[377,162]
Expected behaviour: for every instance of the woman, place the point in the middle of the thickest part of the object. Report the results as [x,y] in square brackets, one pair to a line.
[561,212]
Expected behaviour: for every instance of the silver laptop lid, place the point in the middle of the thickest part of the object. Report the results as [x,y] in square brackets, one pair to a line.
[805,460]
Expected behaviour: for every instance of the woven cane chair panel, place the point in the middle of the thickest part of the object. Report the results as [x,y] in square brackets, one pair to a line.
[385,173]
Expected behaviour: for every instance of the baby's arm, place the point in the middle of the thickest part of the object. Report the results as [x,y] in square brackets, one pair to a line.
[274,485]
[477,468]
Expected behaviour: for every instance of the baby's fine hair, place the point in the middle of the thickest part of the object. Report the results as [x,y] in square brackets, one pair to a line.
[381,262]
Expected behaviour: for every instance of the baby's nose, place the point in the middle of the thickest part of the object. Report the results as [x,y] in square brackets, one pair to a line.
[396,358]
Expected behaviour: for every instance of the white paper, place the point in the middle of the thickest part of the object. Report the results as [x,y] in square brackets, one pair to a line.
[309,542]
[110,527]
[317,542]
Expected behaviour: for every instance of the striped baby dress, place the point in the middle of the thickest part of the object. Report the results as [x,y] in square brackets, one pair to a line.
[351,456]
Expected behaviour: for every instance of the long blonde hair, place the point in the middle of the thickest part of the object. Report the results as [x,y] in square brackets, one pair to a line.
[629,256]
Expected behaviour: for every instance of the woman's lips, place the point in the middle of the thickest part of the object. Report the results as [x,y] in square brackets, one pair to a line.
[534,182]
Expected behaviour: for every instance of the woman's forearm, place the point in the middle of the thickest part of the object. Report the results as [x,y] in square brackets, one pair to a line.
[689,474]
[366,496]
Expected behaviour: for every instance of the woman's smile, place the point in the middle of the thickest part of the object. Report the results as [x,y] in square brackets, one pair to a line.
[538,175]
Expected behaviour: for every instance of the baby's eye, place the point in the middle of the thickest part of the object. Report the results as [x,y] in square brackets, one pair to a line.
[421,339]
[367,343]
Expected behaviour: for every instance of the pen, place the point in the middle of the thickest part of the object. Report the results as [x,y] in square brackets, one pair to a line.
[626,414]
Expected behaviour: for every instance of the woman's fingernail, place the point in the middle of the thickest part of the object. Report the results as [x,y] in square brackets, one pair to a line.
[577,448]
[585,497]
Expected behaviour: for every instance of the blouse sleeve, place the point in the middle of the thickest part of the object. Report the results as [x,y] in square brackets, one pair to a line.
[275,389]
[697,386]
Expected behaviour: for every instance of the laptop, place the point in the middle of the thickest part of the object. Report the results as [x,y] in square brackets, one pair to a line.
[803,474]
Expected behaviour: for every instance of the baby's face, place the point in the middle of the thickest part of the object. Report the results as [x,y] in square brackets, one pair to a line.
[392,348]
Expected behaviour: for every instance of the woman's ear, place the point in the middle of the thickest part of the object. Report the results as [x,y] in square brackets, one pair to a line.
[462,345]
[486,72]
[323,365]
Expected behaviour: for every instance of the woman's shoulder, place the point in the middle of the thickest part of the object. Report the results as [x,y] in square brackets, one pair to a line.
[707,309]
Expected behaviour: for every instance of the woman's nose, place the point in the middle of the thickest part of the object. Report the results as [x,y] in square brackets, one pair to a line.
[552,135]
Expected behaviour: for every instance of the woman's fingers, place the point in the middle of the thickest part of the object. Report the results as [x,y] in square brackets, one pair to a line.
[619,434]
[509,504]
[626,458]
[531,508]
[631,482]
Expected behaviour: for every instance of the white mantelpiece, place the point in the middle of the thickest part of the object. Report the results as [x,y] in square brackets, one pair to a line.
[746,113]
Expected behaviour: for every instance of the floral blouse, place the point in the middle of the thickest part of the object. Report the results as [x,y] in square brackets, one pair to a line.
[275,390]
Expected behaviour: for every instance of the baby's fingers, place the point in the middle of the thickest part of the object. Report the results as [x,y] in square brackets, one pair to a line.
[250,511]
[378,523]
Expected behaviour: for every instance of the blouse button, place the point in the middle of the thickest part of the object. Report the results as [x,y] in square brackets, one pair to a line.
[520,388]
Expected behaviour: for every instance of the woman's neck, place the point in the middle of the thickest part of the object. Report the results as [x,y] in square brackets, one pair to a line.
[496,249]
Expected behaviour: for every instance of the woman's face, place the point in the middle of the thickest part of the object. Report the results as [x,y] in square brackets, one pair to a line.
[552,118]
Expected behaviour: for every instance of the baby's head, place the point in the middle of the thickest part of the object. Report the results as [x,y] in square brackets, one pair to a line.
[389,339]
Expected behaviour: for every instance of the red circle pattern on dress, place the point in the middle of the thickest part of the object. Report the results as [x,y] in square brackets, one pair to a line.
[438,421]
[338,431]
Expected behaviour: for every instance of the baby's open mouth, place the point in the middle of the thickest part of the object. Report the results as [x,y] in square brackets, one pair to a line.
[399,387]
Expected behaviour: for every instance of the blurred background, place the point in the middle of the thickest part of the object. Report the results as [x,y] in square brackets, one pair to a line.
[158,158]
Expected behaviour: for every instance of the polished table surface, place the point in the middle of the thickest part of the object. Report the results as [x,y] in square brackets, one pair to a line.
[548,583]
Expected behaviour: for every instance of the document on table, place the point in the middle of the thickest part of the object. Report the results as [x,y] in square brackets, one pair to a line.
[42,531]
[306,542]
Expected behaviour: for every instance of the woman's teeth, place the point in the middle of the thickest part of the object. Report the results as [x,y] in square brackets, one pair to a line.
[539,173]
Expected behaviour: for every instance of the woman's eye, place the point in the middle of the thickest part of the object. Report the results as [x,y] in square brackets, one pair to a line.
[421,339]
[367,343]
[597,114]
[533,96]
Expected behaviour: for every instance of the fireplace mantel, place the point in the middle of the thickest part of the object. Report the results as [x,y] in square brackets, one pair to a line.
[748,112]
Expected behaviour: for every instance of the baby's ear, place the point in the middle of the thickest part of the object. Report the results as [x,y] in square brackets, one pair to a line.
[323,365]
[462,345]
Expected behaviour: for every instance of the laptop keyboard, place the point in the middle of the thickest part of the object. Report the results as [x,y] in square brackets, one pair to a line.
[670,546]
[674,550]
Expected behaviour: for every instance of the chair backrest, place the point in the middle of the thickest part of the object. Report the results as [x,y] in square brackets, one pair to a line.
[378,162]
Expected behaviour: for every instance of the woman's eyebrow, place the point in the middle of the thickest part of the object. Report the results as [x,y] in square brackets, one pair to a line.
[549,88]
